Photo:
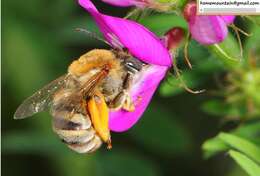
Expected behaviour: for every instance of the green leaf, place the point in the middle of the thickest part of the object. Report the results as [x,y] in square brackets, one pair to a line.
[242,145]
[213,146]
[252,168]
[249,131]
[227,51]
[216,145]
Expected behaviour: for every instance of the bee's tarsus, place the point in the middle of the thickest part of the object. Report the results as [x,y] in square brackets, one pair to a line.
[109,144]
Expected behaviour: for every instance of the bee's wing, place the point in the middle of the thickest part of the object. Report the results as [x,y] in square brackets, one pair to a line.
[73,102]
[40,100]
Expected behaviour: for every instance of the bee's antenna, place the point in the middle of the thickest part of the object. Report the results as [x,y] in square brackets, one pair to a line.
[92,34]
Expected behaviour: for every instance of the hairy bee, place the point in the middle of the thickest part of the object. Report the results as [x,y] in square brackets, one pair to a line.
[80,101]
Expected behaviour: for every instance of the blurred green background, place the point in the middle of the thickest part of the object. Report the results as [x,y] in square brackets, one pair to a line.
[38,43]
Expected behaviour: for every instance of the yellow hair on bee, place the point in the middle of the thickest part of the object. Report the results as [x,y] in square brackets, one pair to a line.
[96,58]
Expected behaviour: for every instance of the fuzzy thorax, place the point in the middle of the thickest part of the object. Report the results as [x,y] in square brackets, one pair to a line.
[96,58]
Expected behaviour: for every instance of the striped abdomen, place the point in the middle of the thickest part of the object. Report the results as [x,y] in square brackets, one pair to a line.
[74,126]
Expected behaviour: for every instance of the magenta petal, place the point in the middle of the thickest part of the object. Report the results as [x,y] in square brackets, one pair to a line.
[228,18]
[121,3]
[208,29]
[139,41]
[141,93]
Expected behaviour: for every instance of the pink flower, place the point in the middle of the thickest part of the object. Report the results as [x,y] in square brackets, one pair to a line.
[145,46]
[206,29]
[228,18]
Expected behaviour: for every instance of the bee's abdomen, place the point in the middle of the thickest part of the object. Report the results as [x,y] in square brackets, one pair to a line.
[76,131]
[87,147]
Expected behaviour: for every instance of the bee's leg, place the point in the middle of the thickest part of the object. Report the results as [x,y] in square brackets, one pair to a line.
[99,113]
[118,102]
[123,99]
[128,104]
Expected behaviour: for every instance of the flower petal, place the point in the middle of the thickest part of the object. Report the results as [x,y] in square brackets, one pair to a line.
[208,29]
[121,3]
[139,41]
[145,85]
[228,18]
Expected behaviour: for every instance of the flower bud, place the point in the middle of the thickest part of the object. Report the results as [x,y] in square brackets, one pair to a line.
[174,38]
[206,29]
[190,10]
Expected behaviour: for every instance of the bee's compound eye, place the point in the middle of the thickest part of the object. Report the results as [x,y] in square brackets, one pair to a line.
[133,65]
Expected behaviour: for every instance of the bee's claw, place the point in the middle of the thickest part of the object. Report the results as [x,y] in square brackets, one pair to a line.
[123,101]
[109,144]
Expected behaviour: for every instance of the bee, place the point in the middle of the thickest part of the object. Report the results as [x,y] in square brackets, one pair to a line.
[80,101]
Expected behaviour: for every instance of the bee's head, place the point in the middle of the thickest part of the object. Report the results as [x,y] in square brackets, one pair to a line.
[130,63]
